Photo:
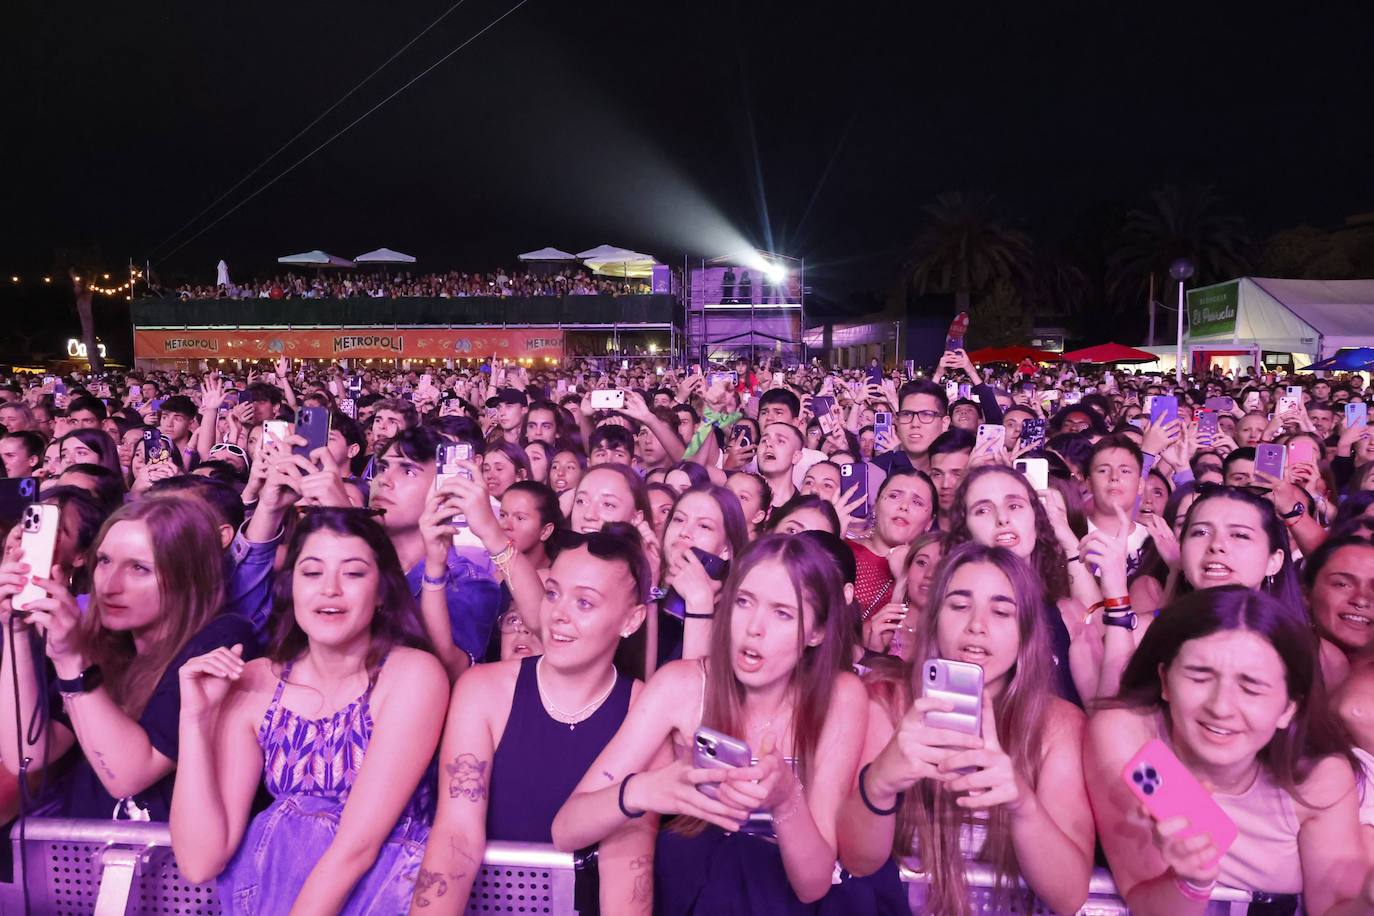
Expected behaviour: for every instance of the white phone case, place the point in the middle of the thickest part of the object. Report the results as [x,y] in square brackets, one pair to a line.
[39,544]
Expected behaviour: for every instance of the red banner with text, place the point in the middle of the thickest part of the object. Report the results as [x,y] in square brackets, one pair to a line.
[354,343]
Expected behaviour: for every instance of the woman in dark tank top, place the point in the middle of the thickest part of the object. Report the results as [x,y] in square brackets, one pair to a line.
[521,733]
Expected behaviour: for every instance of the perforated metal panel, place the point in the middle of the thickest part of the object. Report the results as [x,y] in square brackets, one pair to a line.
[503,889]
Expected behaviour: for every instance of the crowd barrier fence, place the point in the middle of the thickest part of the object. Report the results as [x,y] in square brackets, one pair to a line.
[112,868]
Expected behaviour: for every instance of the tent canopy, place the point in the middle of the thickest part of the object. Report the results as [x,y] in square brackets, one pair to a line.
[622,263]
[1015,354]
[1108,353]
[316,258]
[601,252]
[384,256]
[548,254]
[1355,360]
[1312,317]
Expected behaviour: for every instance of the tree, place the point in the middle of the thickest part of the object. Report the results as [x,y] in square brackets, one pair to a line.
[1179,223]
[964,248]
[998,318]
[81,289]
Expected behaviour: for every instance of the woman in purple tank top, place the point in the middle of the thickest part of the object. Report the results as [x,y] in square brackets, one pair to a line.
[341,719]
[521,733]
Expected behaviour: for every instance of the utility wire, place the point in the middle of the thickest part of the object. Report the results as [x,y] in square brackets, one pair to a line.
[339,133]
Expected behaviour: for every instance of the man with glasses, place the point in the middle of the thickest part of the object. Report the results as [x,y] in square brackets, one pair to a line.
[922,415]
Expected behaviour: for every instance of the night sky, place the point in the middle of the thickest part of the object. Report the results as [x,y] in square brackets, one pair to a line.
[814,128]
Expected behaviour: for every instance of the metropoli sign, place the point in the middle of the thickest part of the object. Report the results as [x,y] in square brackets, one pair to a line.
[353,343]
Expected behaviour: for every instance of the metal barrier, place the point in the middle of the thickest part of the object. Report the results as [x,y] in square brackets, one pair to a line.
[110,868]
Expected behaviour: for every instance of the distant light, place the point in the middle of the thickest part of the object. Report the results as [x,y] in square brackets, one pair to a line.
[776,272]
[47,279]
[15,279]
[107,276]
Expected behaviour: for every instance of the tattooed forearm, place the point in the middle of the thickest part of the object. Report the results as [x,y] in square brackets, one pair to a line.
[104,766]
[458,852]
[643,870]
[467,777]
[429,881]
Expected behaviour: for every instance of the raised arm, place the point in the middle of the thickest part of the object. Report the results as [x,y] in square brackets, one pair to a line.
[406,705]
[219,763]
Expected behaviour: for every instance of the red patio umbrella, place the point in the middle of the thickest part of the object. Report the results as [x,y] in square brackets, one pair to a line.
[1109,353]
[1015,354]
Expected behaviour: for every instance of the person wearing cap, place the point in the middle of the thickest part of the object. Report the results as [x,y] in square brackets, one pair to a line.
[510,404]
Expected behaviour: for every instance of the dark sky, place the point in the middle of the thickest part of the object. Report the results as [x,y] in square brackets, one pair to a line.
[661,126]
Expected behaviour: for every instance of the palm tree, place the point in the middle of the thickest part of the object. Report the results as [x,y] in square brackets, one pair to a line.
[965,248]
[1180,223]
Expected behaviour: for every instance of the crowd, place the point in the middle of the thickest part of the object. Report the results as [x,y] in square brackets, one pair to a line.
[757,634]
[393,285]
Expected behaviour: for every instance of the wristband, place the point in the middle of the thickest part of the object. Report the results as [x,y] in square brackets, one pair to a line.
[863,794]
[1073,559]
[428,583]
[690,616]
[623,810]
[1199,893]
[1115,603]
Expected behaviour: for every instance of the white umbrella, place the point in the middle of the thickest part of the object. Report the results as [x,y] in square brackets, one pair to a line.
[547,254]
[623,264]
[222,274]
[602,252]
[316,258]
[384,256]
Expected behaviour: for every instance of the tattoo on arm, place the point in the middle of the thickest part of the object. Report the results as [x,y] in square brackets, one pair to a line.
[457,852]
[427,881]
[104,765]
[467,777]
[642,869]
[607,774]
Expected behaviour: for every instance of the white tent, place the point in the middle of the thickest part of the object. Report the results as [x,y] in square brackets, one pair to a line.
[547,254]
[316,258]
[1312,319]
[603,251]
[384,256]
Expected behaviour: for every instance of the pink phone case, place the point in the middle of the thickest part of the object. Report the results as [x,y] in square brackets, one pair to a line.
[1166,788]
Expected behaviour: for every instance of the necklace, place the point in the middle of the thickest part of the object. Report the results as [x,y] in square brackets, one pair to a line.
[569,719]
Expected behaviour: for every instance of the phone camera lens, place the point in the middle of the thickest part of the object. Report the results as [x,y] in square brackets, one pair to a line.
[932,672]
[1150,774]
[1148,788]
[1138,776]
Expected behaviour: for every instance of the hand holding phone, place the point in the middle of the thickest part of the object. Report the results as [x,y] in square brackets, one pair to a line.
[1168,790]
[39,545]
[714,750]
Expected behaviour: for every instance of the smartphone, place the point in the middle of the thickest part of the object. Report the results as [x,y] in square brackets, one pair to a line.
[1036,471]
[1287,403]
[951,391]
[608,399]
[954,338]
[961,683]
[1295,392]
[1221,405]
[853,481]
[349,408]
[275,431]
[1167,790]
[1072,397]
[992,432]
[875,375]
[446,465]
[1302,450]
[965,391]
[156,403]
[712,750]
[716,568]
[1252,401]
[39,543]
[1356,414]
[729,378]
[1034,430]
[1208,427]
[777,379]
[312,424]
[1271,459]
[355,385]
[16,493]
[153,450]
[1163,409]
[821,405]
[740,433]
[882,423]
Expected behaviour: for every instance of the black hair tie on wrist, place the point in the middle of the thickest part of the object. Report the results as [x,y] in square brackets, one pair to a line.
[863,794]
[623,810]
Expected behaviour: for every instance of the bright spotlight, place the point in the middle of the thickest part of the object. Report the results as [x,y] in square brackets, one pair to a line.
[776,272]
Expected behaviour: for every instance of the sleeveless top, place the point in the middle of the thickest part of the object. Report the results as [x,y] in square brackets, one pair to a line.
[873,580]
[539,760]
[1264,856]
[322,756]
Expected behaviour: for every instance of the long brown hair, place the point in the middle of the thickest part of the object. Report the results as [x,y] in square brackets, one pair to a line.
[1048,558]
[183,534]
[816,578]
[929,822]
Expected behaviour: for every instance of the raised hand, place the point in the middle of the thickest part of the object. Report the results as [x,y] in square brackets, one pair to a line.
[205,680]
